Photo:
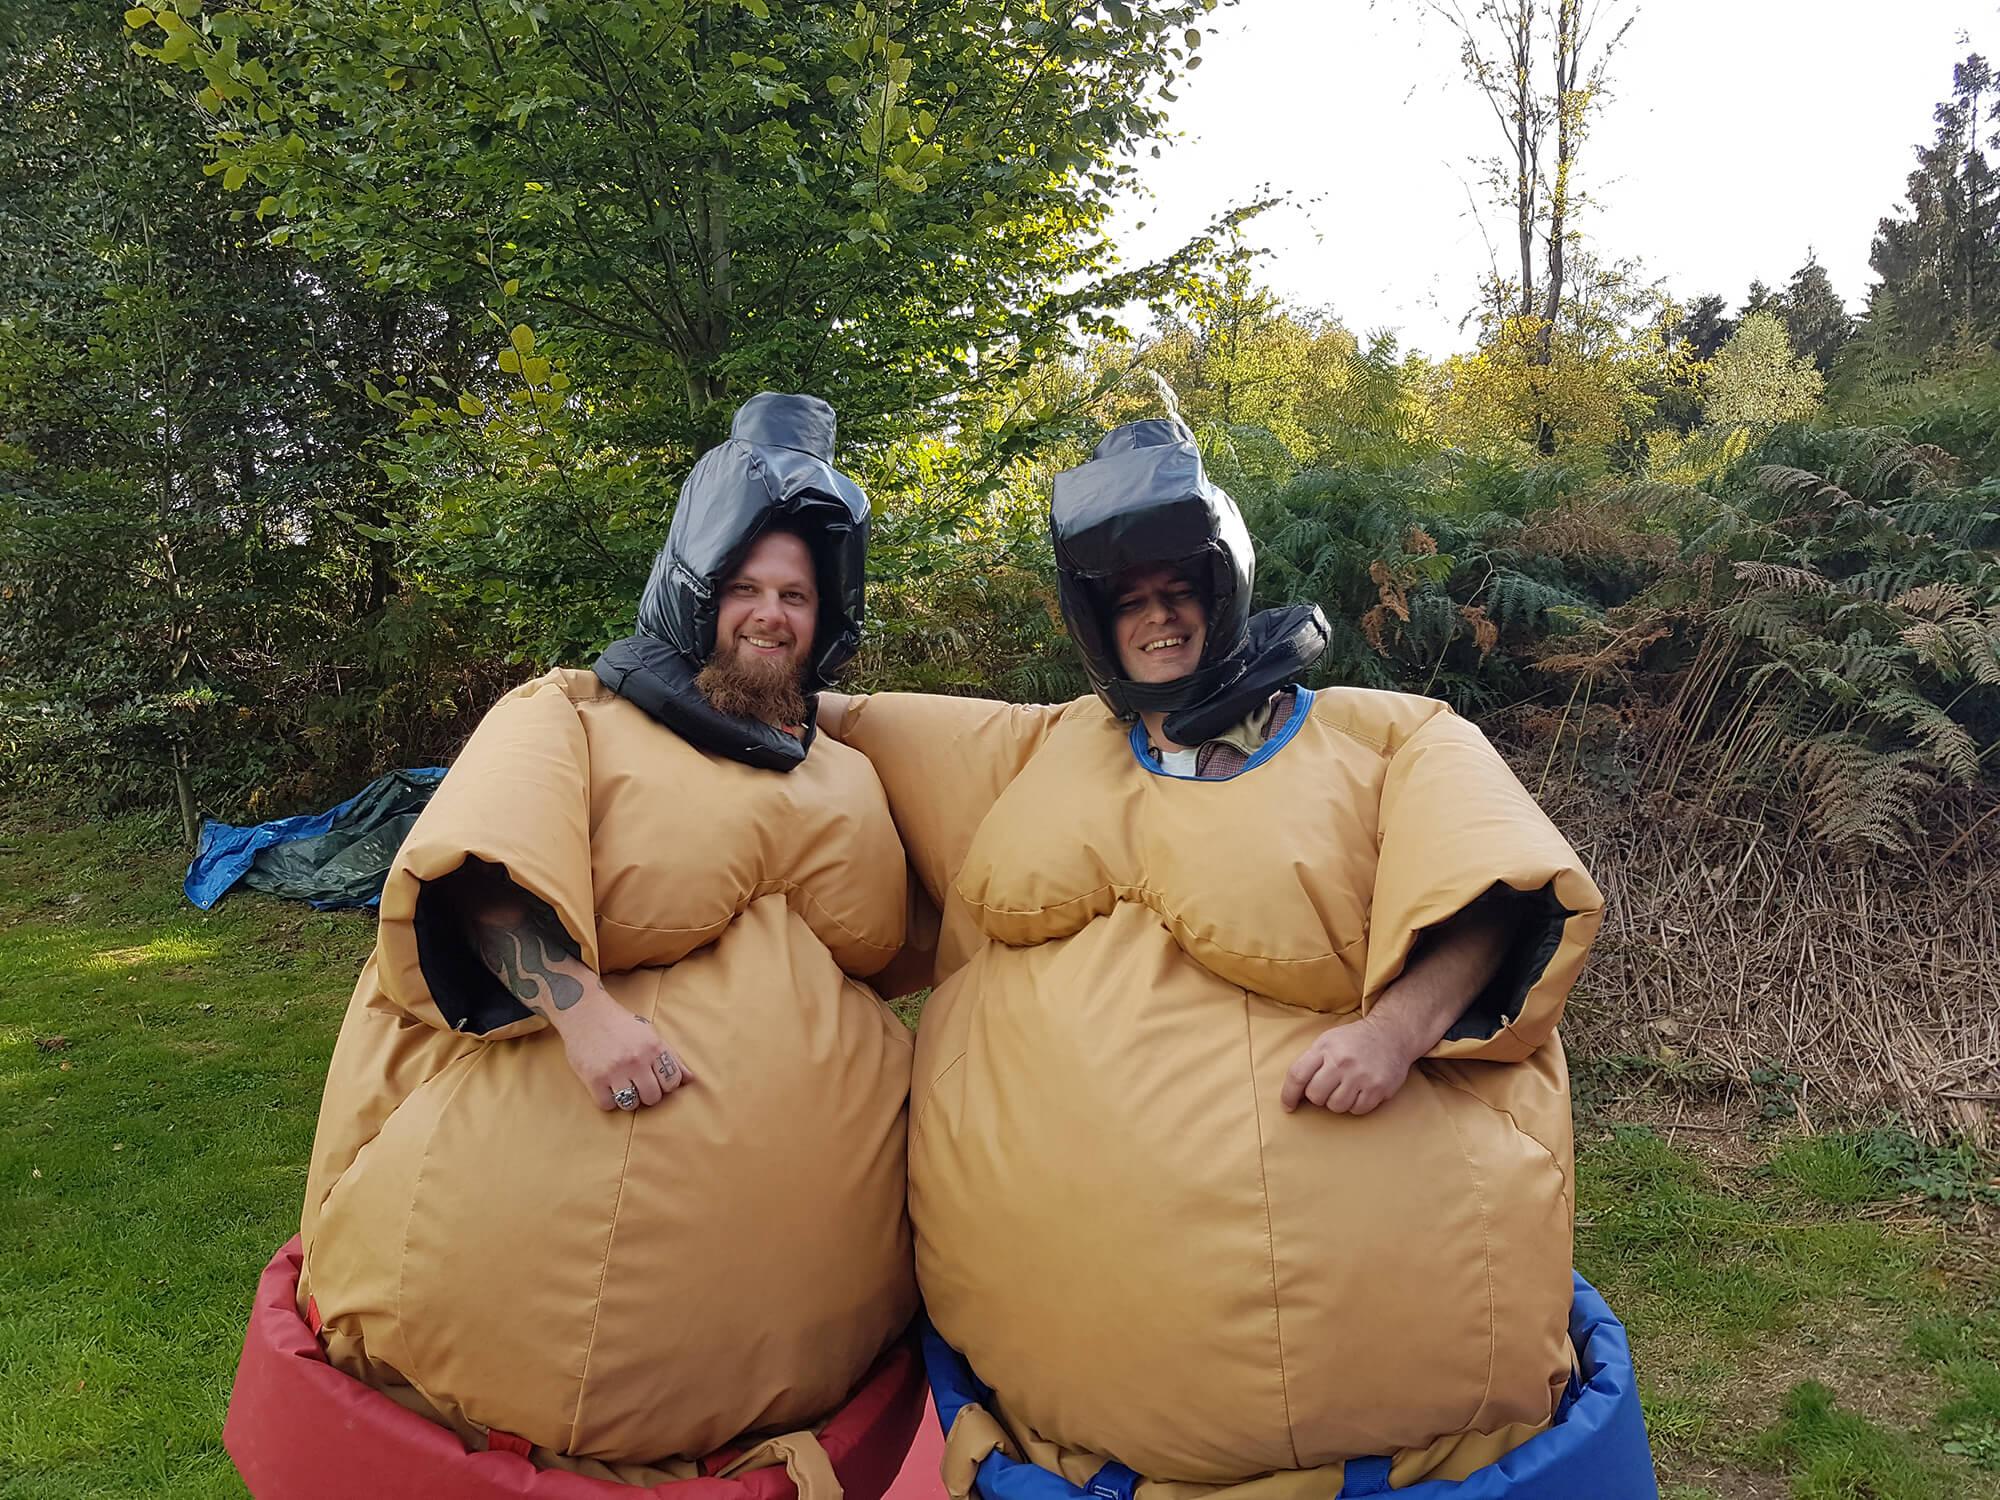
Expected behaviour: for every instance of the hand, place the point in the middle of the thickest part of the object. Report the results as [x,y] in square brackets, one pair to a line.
[1349,1069]
[831,718]
[610,1049]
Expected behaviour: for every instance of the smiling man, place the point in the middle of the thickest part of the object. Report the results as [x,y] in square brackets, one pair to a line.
[764,629]
[1240,1142]
[610,1166]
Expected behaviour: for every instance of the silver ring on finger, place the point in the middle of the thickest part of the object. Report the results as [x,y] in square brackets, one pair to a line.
[626,1098]
[665,1066]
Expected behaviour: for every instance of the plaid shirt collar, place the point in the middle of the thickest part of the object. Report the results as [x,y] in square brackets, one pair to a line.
[1230,751]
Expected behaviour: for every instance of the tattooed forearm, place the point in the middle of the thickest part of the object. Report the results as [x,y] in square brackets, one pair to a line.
[522,950]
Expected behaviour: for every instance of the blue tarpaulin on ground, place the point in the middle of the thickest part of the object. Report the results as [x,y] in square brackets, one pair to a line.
[1597,1449]
[339,857]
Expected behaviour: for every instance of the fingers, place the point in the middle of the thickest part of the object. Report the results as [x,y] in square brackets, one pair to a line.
[618,1057]
[1328,1077]
[671,1071]
[647,1082]
[1327,1083]
[1297,1076]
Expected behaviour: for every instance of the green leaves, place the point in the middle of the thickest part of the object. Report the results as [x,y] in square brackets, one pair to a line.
[725,195]
[522,337]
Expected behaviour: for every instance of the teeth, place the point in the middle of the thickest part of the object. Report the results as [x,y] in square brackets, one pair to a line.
[1168,644]
[758,640]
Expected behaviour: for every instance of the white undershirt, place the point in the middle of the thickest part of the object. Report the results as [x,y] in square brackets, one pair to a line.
[1179,762]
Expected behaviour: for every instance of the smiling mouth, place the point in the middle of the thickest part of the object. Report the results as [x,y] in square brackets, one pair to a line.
[1167,643]
[764,643]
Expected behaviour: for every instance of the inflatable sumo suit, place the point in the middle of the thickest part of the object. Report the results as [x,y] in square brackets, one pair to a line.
[1145,1260]
[621,1293]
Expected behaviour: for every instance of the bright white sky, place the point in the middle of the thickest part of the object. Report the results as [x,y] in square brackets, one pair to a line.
[1742,133]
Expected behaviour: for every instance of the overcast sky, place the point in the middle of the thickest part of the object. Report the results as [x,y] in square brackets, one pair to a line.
[1742,134]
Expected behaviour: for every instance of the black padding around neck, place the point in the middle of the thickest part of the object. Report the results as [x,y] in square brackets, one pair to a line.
[1282,643]
[653,675]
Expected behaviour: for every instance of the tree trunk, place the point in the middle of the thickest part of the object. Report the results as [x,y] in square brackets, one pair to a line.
[184,796]
[1527,148]
[1569,107]
[706,387]
[705,392]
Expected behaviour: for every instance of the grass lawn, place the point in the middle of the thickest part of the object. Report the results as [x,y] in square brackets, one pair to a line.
[1810,1320]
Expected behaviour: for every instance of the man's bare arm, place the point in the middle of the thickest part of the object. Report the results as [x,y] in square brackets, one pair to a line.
[1354,1068]
[522,941]
[525,945]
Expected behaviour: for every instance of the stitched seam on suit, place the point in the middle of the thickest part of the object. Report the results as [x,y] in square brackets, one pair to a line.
[1146,896]
[1323,713]
[917,1119]
[416,1196]
[1508,1116]
[758,891]
[604,1269]
[1270,1238]
[1486,1245]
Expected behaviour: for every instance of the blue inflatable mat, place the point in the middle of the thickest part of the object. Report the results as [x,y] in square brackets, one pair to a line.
[1597,1449]
[339,857]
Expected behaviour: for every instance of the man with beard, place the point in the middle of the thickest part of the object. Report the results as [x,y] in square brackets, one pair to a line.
[656,878]
[766,618]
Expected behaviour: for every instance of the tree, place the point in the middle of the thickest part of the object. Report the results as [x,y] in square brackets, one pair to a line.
[1939,259]
[1816,319]
[1610,360]
[1761,298]
[885,206]
[1499,44]
[1706,326]
[1756,380]
[189,459]
[1239,360]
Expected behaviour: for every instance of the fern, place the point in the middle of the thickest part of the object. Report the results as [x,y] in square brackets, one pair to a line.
[1787,483]
[1961,647]
[1947,741]
[1859,798]
[1784,579]
[1515,601]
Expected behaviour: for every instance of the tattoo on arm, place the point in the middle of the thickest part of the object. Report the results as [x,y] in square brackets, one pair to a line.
[523,955]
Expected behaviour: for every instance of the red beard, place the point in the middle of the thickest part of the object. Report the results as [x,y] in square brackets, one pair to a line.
[757,688]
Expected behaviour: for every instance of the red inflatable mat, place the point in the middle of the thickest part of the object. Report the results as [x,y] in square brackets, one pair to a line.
[921,1478]
[299,1429]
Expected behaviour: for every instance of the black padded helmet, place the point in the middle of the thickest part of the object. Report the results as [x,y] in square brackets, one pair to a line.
[775,470]
[1143,498]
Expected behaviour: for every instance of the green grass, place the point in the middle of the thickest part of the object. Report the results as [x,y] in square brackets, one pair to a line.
[1837,1455]
[160,1072]
[1779,1328]
[159,1078]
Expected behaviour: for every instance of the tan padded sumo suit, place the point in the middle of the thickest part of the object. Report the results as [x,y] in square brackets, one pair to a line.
[624,1290]
[1117,1224]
